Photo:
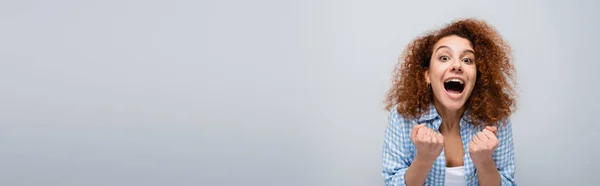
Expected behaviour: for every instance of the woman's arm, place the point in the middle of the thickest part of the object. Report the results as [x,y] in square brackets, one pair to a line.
[504,156]
[396,150]
[400,138]
[496,168]
[488,173]
[417,172]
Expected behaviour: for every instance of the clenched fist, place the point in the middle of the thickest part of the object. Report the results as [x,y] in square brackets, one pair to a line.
[483,144]
[427,142]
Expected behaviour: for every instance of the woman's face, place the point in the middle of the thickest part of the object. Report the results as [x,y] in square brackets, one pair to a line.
[452,72]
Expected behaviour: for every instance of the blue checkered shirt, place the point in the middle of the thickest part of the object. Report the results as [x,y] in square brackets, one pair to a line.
[399,151]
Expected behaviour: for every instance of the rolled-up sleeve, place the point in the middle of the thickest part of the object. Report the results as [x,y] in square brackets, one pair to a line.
[396,149]
[504,155]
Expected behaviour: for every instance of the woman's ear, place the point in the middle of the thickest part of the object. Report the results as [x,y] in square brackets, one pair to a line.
[427,79]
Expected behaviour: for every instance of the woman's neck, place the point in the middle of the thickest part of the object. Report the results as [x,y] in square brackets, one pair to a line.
[450,117]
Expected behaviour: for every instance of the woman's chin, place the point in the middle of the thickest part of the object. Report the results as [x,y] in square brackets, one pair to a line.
[452,100]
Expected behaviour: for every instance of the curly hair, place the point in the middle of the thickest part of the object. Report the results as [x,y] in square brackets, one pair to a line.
[493,97]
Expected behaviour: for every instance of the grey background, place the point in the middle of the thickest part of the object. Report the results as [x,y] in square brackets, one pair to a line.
[264,92]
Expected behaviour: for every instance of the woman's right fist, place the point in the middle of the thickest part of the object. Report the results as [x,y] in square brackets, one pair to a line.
[428,143]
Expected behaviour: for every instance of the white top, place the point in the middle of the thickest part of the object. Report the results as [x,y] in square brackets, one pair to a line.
[455,176]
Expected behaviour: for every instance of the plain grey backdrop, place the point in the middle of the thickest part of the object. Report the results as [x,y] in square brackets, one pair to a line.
[265,92]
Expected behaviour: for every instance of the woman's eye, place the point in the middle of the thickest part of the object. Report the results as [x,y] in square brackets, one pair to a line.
[444,58]
[467,60]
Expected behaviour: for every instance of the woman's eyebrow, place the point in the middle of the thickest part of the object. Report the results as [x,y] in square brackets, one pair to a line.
[465,51]
[443,46]
[469,51]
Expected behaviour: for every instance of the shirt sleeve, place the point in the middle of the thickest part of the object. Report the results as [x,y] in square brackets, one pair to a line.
[396,150]
[504,155]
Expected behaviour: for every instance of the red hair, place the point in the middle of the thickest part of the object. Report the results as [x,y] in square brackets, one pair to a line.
[493,97]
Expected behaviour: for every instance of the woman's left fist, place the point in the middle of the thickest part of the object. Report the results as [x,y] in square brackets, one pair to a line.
[483,144]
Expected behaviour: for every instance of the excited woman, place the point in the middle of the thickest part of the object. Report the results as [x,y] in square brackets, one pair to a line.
[450,103]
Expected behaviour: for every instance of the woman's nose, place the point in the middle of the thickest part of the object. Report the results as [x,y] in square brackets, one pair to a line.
[456,66]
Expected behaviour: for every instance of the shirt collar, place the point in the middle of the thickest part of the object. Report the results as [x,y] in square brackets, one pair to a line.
[432,114]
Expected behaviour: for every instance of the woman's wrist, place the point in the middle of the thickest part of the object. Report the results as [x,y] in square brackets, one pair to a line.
[423,161]
[488,173]
[418,171]
[486,168]
[482,163]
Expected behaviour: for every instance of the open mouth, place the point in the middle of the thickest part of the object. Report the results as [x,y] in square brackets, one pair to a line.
[454,86]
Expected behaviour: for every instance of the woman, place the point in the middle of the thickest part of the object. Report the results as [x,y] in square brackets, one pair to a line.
[450,104]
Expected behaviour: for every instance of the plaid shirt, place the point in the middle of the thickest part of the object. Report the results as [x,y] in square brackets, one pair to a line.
[399,151]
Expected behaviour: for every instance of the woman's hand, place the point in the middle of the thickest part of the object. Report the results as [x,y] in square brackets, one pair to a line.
[482,145]
[428,143]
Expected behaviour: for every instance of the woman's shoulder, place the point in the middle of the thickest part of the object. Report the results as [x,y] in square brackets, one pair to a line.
[400,120]
[399,128]
[504,127]
[503,124]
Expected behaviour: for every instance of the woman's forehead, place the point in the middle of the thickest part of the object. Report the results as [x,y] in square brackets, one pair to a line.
[453,43]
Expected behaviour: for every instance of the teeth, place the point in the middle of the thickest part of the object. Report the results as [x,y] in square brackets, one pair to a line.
[455,80]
